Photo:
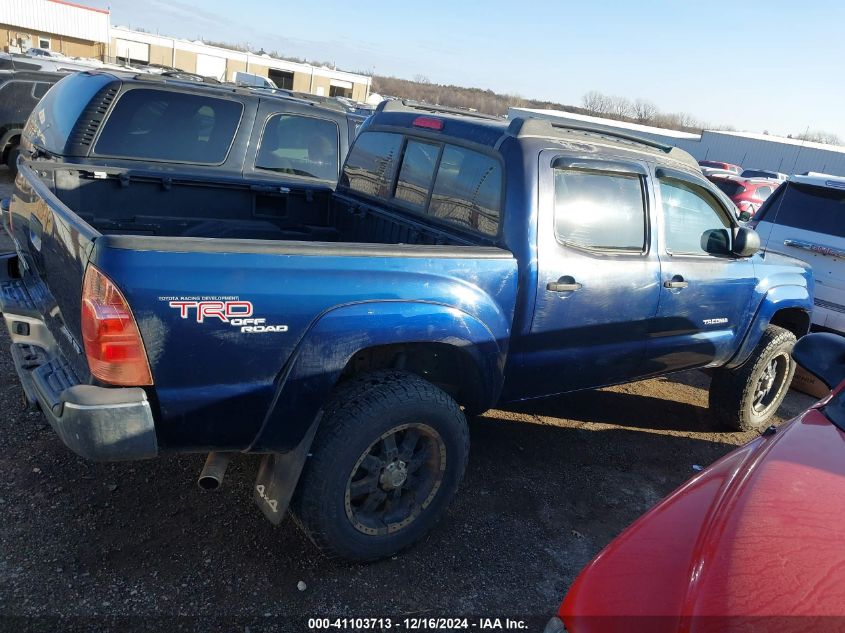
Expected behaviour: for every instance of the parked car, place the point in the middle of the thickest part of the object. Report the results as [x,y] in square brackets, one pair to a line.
[19,94]
[805,218]
[461,262]
[43,52]
[746,193]
[157,123]
[752,543]
[763,173]
[714,164]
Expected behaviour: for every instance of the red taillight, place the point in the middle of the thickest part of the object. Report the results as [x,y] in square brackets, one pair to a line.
[113,344]
[429,123]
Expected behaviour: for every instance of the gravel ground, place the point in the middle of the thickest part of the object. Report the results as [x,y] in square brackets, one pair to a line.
[135,546]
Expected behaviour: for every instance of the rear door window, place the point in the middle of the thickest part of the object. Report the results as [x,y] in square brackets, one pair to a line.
[300,146]
[817,209]
[170,126]
[600,210]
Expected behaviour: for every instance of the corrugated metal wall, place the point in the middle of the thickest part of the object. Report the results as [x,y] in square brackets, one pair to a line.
[59,18]
[765,154]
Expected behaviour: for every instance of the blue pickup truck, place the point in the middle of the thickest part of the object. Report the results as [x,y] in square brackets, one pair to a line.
[345,333]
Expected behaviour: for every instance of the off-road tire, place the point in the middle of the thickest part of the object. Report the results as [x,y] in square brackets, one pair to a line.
[733,391]
[354,418]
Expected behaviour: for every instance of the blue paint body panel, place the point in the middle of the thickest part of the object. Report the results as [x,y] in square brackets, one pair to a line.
[218,386]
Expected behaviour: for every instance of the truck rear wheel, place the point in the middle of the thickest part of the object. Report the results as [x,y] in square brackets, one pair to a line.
[386,461]
[746,397]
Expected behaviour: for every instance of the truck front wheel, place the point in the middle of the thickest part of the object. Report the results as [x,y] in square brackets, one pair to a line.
[746,397]
[387,459]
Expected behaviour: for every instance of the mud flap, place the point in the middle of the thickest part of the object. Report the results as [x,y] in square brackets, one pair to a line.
[278,476]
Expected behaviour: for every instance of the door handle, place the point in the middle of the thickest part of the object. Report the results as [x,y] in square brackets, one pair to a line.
[676,282]
[564,284]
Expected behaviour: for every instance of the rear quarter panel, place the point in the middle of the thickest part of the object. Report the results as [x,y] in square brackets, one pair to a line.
[215,383]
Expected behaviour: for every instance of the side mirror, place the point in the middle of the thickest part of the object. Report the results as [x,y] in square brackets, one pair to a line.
[716,242]
[746,242]
[745,216]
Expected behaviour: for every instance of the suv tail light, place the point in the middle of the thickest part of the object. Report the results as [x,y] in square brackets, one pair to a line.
[113,344]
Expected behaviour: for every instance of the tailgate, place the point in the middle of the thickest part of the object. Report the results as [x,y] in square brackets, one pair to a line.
[53,246]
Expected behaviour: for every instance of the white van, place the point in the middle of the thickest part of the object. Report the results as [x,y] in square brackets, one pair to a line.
[805,218]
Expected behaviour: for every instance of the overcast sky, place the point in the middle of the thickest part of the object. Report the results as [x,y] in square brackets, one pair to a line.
[771,66]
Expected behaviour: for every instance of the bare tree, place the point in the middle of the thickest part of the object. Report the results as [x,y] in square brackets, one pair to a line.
[620,107]
[596,102]
[819,136]
[645,111]
[422,79]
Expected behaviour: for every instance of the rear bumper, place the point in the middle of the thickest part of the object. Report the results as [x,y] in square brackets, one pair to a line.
[98,423]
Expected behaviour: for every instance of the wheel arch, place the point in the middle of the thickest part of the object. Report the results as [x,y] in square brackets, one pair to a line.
[8,141]
[446,346]
[787,306]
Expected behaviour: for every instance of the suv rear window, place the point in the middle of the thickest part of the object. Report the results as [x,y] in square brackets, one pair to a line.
[817,209]
[452,184]
[172,126]
[300,145]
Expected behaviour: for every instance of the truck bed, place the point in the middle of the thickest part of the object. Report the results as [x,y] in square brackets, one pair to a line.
[115,202]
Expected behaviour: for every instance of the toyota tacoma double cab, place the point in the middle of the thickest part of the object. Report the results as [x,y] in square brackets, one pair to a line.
[345,333]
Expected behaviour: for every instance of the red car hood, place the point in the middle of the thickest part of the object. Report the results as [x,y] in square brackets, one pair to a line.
[759,533]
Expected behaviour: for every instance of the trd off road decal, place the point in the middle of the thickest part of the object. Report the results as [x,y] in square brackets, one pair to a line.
[230,310]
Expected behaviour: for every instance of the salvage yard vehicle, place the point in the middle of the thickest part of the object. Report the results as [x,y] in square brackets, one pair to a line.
[769,511]
[345,334]
[19,93]
[714,164]
[805,218]
[748,194]
[207,128]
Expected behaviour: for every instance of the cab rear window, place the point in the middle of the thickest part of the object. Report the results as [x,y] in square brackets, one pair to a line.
[448,183]
[170,126]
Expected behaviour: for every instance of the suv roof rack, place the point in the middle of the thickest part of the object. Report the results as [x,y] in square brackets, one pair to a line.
[397,105]
[521,127]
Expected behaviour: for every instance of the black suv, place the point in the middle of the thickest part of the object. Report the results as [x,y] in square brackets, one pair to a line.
[20,92]
[155,123]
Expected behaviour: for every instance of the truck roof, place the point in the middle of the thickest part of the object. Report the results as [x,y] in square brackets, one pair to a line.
[492,131]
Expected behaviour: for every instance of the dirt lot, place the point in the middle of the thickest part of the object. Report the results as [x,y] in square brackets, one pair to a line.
[136,546]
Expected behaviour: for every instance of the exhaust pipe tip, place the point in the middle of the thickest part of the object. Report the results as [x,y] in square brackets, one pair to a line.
[211,476]
[206,482]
